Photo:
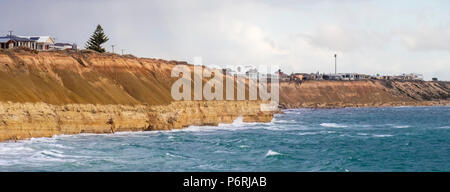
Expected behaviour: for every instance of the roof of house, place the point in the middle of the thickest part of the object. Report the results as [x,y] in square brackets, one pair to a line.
[39,39]
[14,38]
[4,40]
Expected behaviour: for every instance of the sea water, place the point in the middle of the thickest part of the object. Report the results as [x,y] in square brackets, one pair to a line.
[350,139]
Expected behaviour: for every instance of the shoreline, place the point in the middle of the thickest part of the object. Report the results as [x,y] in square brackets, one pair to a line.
[32,120]
[74,119]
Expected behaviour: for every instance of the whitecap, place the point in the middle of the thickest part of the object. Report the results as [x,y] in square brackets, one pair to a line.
[334,125]
[237,124]
[53,153]
[272,153]
[315,132]
[172,155]
[381,135]
[308,133]
[8,150]
[401,126]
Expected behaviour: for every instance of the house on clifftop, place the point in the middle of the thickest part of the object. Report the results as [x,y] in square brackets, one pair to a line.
[40,43]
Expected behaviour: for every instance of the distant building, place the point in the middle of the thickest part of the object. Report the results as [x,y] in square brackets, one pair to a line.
[332,77]
[64,46]
[32,42]
[354,76]
[42,42]
[11,41]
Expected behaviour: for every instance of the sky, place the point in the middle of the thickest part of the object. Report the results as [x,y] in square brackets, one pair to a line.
[369,36]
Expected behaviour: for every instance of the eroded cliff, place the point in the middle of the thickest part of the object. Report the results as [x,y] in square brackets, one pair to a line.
[366,93]
[48,93]
[26,120]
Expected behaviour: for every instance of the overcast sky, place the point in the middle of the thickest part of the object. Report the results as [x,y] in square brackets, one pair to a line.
[385,37]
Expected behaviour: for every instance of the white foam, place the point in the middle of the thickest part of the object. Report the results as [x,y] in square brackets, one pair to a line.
[386,135]
[275,120]
[308,133]
[401,126]
[334,125]
[315,133]
[172,155]
[11,149]
[53,153]
[272,153]
[237,124]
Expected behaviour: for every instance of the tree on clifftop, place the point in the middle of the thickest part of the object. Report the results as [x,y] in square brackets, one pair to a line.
[97,39]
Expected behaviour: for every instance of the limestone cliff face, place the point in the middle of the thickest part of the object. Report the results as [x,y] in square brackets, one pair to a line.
[26,120]
[366,93]
[48,93]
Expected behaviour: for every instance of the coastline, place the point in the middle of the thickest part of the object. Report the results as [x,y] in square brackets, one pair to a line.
[29,120]
[49,93]
[365,105]
[21,121]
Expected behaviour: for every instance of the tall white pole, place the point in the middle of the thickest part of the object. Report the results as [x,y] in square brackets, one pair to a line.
[335,63]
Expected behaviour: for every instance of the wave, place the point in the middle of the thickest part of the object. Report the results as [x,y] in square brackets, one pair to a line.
[53,153]
[401,126]
[334,125]
[238,124]
[275,120]
[315,133]
[173,156]
[272,153]
[381,135]
[8,148]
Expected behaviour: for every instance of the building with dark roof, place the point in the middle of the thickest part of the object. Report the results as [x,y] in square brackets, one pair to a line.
[32,42]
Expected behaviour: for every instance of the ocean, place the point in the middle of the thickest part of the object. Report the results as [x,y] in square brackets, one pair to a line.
[337,140]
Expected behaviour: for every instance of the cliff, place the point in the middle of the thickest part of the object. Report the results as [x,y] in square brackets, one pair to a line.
[48,93]
[26,120]
[84,78]
[365,93]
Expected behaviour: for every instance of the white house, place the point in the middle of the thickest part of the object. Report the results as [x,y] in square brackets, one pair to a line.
[33,42]
[42,42]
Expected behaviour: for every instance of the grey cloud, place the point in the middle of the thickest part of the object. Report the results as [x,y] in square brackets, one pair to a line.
[339,38]
[426,38]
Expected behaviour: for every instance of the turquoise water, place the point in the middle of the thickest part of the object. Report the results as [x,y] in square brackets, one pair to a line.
[351,139]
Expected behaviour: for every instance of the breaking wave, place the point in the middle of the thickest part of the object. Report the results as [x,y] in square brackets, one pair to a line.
[334,125]
[272,153]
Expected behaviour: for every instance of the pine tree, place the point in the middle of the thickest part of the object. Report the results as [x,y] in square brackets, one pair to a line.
[97,39]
